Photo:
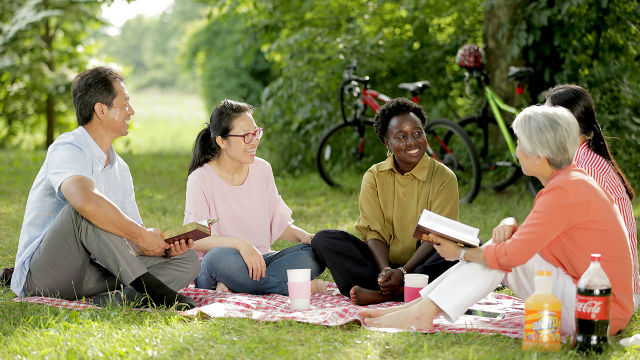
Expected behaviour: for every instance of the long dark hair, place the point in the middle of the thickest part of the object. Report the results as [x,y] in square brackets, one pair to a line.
[205,148]
[580,103]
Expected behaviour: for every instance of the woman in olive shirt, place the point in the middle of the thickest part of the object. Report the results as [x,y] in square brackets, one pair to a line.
[371,269]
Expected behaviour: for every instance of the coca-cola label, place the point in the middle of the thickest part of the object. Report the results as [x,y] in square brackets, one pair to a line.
[593,307]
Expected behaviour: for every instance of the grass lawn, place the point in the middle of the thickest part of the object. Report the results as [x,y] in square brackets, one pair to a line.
[157,151]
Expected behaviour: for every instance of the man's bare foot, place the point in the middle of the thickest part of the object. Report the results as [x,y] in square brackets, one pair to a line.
[417,316]
[222,287]
[361,296]
[318,286]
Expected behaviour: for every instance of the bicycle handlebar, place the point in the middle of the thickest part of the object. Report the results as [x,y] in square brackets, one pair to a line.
[348,75]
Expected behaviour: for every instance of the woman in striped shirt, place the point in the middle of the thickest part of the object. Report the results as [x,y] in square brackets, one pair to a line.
[594,157]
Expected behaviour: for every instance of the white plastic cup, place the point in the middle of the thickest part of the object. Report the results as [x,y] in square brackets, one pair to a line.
[413,283]
[299,284]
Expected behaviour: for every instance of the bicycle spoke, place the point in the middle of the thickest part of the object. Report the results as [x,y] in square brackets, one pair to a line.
[451,146]
[344,155]
[498,168]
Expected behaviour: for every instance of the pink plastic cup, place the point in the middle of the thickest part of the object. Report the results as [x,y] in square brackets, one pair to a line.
[413,283]
[299,285]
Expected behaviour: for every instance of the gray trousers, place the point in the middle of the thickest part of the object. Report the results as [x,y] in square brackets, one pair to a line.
[62,265]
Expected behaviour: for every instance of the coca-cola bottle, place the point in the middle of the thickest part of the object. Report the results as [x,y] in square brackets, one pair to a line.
[593,308]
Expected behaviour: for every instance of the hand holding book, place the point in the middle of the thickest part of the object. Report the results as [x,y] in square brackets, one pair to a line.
[178,247]
[448,249]
[432,223]
[193,230]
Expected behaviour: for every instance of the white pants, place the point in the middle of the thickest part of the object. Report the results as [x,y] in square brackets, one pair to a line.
[465,284]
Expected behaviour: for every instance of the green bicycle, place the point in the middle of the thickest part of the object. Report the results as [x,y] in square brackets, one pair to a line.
[494,139]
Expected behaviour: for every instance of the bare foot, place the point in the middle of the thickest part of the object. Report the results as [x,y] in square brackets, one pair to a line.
[371,313]
[417,316]
[222,287]
[361,296]
[318,286]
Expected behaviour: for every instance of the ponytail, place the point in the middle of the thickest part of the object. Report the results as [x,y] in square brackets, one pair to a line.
[599,145]
[205,148]
[580,103]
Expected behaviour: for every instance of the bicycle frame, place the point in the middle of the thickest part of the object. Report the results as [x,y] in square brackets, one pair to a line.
[453,146]
[369,97]
[495,103]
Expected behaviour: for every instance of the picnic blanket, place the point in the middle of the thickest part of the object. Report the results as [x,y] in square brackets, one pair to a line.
[331,310]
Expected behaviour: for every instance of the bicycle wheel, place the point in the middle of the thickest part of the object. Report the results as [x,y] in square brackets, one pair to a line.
[533,185]
[346,152]
[499,169]
[449,144]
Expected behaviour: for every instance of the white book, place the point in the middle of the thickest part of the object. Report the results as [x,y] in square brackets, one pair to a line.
[430,222]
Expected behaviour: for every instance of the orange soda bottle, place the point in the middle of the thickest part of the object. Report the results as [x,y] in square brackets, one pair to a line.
[542,314]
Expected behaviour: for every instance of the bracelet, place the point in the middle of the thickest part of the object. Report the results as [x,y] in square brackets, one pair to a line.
[386,268]
[404,272]
[461,257]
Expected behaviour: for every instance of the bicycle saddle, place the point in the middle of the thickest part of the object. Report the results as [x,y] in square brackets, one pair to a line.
[415,88]
[519,73]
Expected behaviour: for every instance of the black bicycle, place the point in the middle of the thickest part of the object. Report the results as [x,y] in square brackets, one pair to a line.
[349,148]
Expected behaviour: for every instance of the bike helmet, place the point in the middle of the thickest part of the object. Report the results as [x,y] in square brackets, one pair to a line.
[469,56]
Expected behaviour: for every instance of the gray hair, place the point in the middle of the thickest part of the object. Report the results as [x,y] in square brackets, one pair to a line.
[550,132]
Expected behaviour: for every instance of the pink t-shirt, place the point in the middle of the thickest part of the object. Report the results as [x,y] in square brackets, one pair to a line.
[253,211]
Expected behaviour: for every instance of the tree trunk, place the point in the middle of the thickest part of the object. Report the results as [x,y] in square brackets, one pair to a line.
[50,112]
[51,119]
[497,35]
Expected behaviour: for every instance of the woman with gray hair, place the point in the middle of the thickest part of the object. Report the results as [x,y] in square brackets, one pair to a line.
[571,217]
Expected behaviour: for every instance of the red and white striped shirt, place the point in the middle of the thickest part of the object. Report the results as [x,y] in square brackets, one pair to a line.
[599,169]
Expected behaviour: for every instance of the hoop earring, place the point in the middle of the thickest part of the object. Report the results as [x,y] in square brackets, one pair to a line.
[389,153]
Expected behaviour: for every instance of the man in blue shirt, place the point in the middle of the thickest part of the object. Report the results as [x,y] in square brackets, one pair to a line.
[82,234]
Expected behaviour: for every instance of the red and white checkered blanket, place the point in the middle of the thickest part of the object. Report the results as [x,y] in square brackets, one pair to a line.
[331,310]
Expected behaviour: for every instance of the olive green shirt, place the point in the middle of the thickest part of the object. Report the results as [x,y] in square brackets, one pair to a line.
[390,203]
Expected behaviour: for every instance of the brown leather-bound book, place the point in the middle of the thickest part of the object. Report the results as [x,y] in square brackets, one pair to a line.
[430,222]
[194,230]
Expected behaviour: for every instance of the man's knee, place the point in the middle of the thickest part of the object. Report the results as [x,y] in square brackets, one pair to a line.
[192,263]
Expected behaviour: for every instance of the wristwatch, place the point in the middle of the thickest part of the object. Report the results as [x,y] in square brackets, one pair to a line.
[404,272]
[461,257]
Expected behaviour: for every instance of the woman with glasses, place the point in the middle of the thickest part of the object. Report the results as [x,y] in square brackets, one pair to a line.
[229,183]
[370,269]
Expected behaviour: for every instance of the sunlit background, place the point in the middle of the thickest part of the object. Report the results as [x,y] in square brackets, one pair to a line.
[120,11]
[181,58]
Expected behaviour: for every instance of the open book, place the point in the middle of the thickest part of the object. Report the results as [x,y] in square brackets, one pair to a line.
[430,222]
[194,230]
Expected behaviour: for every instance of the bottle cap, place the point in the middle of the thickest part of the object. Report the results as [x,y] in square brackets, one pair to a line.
[595,257]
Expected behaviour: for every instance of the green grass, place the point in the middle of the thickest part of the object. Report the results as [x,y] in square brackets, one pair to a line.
[165,122]
[35,331]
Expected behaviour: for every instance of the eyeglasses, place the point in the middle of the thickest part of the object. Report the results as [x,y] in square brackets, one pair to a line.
[248,137]
[415,135]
